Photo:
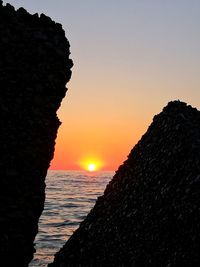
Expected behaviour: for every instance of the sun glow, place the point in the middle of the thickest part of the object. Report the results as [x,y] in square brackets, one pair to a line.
[91,164]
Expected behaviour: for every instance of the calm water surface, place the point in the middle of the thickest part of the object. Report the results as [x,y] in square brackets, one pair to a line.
[69,197]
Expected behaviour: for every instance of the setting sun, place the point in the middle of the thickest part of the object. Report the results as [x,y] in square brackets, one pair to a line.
[91,167]
[91,163]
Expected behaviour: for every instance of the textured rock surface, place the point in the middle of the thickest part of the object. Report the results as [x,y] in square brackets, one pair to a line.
[149,213]
[34,69]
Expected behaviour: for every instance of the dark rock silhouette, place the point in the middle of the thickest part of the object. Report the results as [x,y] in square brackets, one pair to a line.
[149,213]
[34,69]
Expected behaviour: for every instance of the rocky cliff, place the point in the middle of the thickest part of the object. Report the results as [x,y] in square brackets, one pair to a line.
[34,69]
[149,214]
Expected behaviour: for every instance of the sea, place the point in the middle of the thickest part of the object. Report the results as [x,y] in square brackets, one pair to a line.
[70,195]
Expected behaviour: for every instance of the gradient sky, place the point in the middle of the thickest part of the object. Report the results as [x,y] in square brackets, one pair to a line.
[130,57]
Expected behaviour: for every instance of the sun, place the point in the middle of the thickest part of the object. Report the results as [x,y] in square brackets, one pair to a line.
[91,167]
[91,163]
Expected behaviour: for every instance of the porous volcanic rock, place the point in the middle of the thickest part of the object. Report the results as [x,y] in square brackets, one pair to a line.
[34,69]
[149,213]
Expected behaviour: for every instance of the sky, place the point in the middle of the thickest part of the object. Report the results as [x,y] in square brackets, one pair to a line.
[131,57]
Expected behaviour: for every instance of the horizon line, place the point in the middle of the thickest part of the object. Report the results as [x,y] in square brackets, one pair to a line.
[80,170]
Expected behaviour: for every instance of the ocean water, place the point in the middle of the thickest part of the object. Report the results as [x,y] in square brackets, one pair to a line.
[70,195]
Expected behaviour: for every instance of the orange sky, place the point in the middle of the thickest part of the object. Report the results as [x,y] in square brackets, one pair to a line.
[125,71]
[107,140]
[98,125]
[130,58]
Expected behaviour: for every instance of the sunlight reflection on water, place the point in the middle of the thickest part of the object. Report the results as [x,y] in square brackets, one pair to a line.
[69,197]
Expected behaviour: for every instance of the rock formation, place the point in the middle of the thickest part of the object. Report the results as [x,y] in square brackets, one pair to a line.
[34,69]
[149,213]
